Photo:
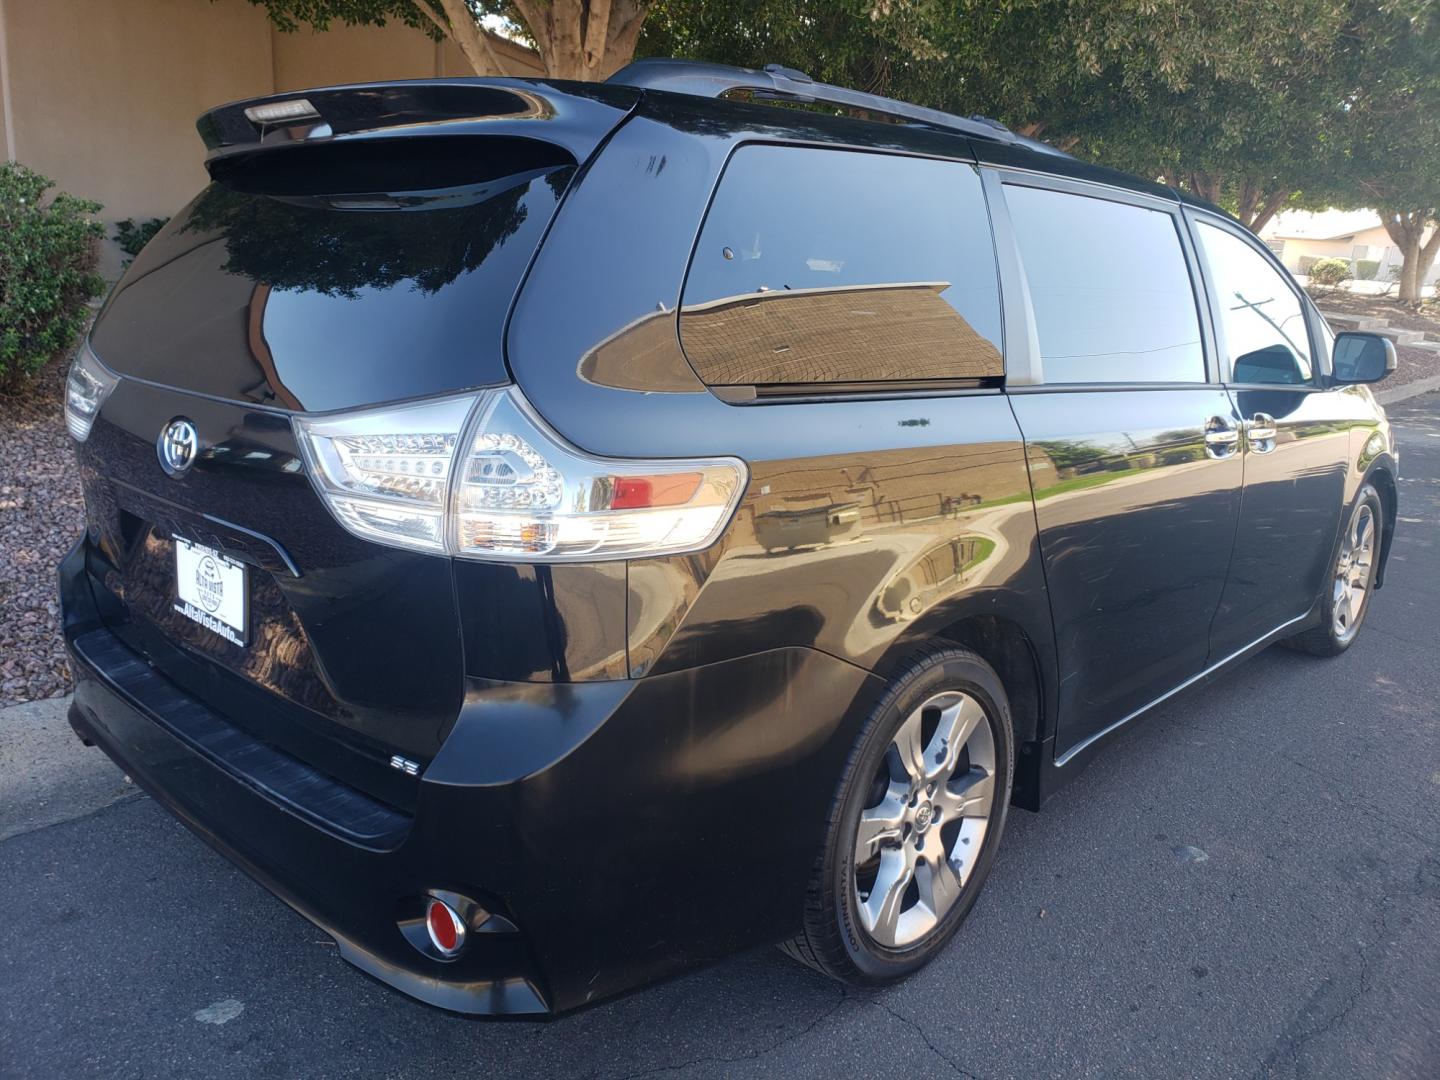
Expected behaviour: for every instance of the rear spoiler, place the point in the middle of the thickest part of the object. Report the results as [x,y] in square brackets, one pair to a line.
[577,115]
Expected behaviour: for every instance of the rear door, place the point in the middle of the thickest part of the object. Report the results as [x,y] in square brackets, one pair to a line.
[1297,436]
[305,279]
[1132,445]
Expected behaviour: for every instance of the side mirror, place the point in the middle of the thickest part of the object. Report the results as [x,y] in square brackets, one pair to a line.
[1362,358]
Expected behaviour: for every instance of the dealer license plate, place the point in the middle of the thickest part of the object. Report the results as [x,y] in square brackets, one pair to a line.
[210,589]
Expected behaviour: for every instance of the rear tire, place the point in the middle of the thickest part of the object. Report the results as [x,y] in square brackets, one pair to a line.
[1345,595]
[915,824]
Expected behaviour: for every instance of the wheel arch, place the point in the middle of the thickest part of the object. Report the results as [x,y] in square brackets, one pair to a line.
[1381,476]
[1023,658]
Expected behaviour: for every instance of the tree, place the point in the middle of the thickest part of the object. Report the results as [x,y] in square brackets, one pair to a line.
[1382,144]
[1251,106]
[1407,229]
[576,39]
[1394,147]
[1217,98]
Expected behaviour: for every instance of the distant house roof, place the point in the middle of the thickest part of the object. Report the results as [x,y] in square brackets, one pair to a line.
[1326,225]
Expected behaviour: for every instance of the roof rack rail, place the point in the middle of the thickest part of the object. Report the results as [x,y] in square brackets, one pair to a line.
[776,83]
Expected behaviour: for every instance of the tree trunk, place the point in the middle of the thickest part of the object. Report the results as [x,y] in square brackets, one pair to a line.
[453,19]
[1407,229]
[588,40]
[1256,203]
[1268,209]
[1205,185]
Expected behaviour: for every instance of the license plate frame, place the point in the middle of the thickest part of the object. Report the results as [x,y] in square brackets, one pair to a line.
[212,589]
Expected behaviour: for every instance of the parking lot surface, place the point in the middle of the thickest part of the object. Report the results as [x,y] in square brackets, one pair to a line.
[1247,885]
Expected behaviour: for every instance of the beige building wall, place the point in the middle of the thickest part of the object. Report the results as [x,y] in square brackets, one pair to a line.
[1375,240]
[102,95]
[346,54]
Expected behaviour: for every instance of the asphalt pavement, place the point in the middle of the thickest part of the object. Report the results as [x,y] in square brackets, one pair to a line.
[1247,884]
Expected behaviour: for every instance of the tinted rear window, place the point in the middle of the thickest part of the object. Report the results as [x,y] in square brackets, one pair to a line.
[1110,287]
[836,266]
[317,280]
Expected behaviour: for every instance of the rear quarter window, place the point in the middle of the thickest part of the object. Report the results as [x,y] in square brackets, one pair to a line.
[819,266]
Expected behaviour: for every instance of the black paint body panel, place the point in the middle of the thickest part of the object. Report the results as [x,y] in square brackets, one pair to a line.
[599,752]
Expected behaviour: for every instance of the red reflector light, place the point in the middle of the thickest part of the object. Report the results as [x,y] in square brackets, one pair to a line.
[447,932]
[666,489]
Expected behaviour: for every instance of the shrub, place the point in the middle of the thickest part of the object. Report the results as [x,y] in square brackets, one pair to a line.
[132,235]
[48,250]
[1330,272]
[1366,269]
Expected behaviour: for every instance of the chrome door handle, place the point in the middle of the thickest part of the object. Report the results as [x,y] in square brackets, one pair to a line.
[1260,433]
[1221,438]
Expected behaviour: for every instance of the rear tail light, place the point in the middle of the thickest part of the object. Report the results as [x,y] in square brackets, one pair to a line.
[86,389]
[482,476]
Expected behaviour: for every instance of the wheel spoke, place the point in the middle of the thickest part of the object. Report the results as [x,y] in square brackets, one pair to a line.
[1361,537]
[968,795]
[957,723]
[909,746]
[881,824]
[938,878]
[880,913]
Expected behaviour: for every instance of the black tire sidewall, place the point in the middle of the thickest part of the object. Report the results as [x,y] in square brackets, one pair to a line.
[952,670]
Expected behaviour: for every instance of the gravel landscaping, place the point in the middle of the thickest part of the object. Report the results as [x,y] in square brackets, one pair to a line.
[41,513]
[1412,364]
[1399,315]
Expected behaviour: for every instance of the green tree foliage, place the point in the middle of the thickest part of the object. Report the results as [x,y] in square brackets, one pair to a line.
[47,270]
[1388,143]
[1247,105]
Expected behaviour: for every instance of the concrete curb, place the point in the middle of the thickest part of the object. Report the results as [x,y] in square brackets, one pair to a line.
[1406,391]
[46,775]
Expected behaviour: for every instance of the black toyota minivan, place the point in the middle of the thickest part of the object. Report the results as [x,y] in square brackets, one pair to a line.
[554,535]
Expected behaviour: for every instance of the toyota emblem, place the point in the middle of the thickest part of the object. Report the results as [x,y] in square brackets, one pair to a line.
[178,445]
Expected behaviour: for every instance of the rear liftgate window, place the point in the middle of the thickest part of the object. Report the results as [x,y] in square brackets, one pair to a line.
[839,267]
[340,275]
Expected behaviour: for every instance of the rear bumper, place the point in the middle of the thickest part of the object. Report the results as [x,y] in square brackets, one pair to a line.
[354,892]
[628,829]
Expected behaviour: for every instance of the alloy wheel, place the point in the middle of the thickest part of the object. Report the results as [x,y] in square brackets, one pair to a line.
[922,830]
[1353,573]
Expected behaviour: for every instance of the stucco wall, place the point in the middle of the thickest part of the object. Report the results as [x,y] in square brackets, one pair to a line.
[1296,249]
[102,95]
[351,54]
[344,54]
